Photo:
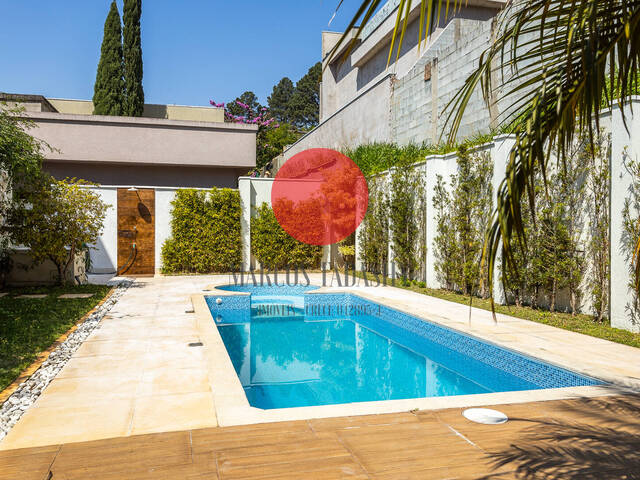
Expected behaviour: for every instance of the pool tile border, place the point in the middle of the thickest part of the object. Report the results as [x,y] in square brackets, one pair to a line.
[232,406]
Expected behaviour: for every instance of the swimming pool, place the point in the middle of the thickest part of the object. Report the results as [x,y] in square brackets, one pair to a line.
[291,347]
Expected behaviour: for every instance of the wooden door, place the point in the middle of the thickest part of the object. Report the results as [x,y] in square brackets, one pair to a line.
[136,225]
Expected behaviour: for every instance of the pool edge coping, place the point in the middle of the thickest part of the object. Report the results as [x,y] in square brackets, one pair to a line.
[232,406]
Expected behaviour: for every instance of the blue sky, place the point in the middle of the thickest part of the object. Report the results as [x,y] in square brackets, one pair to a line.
[193,50]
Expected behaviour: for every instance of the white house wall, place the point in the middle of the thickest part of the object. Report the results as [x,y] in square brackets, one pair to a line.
[104,254]
[164,197]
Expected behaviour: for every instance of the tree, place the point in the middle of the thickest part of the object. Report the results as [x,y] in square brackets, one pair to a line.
[461,219]
[304,106]
[271,141]
[406,204]
[20,173]
[244,109]
[109,89]
[564,53]
[598,247]
[374,233]
[134,104]
[279,100]
[61,218]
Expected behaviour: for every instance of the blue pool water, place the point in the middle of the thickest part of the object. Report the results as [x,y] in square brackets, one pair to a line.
[293,348]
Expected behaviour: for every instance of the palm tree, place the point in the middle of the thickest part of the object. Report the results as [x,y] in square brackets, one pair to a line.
[567,60]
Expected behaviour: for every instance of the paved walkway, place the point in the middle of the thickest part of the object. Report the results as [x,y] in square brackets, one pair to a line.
[138,373]
[135,374]
[582,439]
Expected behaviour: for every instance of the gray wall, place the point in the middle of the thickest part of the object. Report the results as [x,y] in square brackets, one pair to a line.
[365,120]
[418,105]
[153,141]
[141,175]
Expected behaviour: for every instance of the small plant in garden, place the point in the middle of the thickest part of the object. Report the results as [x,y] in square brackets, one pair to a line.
[406,218]
[374,233]
[631,233]
[599,238]
[205,232]
[462,216]
[60,219]
[274,248]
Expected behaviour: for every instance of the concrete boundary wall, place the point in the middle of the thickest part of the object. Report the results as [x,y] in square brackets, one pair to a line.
[366,119]
[253,193]
[104,254]
[625,147]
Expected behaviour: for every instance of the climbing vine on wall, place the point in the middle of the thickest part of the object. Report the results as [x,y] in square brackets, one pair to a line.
[599,239]
[462,211]
[631,232]
[374,233]
[407,218]
[567,237]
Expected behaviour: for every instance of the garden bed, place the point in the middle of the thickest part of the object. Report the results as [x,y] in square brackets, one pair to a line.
[580,323]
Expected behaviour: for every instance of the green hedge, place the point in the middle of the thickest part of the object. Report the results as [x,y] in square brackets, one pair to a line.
[273,247]
[205,232]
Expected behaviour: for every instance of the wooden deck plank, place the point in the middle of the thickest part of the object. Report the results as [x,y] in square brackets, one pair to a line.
[573,439]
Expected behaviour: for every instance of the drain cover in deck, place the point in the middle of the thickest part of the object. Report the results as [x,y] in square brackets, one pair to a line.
[485,415]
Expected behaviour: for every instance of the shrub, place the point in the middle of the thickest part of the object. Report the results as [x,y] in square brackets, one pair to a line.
[407,219]
[462,217]
[205,232]
[374,233]
[274,248]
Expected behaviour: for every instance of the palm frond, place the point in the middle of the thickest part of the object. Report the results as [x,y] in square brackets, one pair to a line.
[561,62]
[564,61]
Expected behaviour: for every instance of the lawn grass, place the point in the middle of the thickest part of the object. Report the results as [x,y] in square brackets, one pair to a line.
[30,326]
[580,323]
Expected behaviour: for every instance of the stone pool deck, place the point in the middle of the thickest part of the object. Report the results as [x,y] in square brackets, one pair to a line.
[140,372]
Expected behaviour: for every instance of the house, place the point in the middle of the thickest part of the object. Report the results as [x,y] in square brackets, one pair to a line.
[139,163]
[364,101]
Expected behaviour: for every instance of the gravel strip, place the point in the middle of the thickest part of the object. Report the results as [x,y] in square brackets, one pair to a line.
[29,391]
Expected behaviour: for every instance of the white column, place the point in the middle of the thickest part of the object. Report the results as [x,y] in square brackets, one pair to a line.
[500,153]
[624,148]
[445,166]
[164,197]
[244,187]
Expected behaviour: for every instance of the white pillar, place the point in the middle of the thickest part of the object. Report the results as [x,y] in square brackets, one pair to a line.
[244,187]
[624,148]
[500,152]
[445,166]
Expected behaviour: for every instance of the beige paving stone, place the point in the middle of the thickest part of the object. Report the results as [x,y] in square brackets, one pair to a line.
[165,381]
[100,366]
[48,426]
[33,296]
[85,391]
[166,413]
[76,295]
[122,348]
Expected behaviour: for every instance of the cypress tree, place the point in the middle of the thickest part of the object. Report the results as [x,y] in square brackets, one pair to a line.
[134,104]
[108,91]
